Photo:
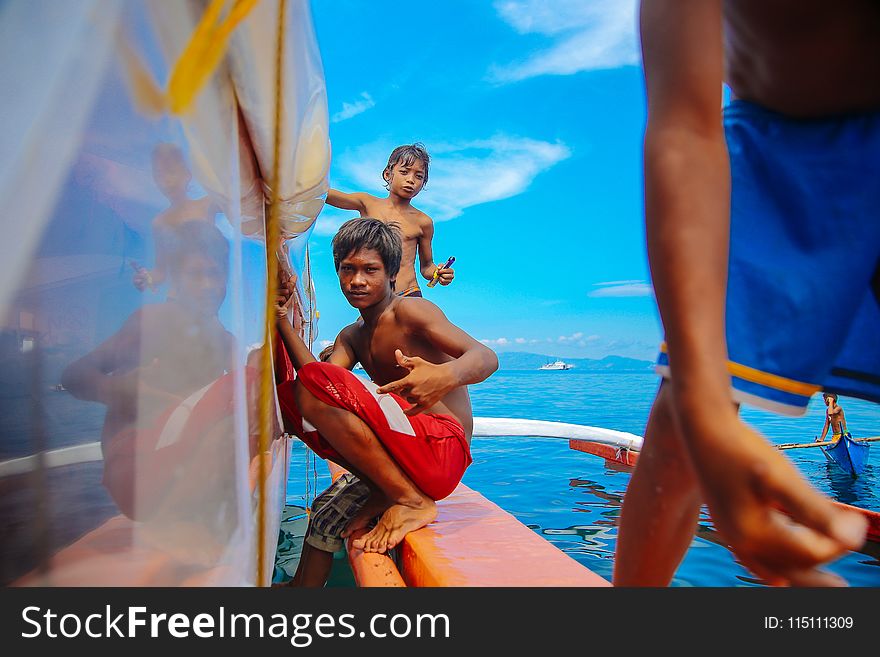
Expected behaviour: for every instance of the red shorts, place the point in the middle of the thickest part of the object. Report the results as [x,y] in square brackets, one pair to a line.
[431,449]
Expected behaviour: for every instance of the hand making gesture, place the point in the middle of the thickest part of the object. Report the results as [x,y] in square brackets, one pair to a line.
[424,385]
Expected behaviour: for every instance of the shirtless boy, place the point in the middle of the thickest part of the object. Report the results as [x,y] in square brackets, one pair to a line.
[163,354]
[405,176]
[835,419]
[788,179]
[409,439]
[173,177]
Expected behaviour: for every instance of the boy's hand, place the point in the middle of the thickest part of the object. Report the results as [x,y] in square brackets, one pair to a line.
[747,484]
[445,275]
[143,279]
[424,385]
[286,297]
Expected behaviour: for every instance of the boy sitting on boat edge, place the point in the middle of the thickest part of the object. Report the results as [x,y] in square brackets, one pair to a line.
[408,440]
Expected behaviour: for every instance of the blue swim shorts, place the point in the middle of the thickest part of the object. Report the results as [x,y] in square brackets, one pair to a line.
[804,272]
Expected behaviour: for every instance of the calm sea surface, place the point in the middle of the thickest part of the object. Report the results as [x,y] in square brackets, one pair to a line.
[573,500]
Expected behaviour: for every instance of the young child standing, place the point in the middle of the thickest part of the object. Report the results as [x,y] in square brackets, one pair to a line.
[405,176]
[172,177]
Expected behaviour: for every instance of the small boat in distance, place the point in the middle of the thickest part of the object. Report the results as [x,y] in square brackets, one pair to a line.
[848,454]
[556,365]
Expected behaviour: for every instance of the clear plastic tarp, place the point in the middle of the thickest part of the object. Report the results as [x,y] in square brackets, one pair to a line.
[132,287]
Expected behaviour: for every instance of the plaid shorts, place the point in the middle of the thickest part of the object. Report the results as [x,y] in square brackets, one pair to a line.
[333,509]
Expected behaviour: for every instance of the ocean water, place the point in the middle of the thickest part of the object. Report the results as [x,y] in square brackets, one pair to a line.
[573,500]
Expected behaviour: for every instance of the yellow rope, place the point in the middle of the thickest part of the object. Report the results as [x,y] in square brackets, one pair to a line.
[194,67]
[273,242]
[203,52]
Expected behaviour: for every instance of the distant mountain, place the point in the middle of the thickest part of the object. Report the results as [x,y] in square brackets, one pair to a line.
[517,360]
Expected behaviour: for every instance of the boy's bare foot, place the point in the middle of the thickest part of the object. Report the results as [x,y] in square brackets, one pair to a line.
[397,521]
[375,504]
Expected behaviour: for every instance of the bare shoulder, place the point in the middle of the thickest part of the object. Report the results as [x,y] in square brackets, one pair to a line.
[422,217]
[348,333]
[163,219]
[415,312]
[205,206]
[421,220]
[374,205]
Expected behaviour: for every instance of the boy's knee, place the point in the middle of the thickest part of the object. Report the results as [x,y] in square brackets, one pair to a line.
[308,404]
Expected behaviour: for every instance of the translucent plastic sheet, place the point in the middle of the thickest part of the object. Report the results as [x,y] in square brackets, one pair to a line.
[132,291]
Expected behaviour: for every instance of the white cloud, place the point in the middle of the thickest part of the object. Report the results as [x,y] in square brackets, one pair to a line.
[520,340]
[325,343]
[353,109]
[330,220]
[622,289]
[498,342]
[464,174]
[574,337]
[586,36]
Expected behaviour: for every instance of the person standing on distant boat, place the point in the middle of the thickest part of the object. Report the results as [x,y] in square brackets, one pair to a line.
[405,175]
[407,439]
[834,418]
[739,209]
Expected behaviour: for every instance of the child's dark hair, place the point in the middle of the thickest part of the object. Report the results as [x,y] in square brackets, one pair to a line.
[368,233]
[830,394]
[406,155]
[197,237]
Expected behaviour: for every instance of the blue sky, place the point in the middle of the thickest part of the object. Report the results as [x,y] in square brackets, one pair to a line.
[533,113]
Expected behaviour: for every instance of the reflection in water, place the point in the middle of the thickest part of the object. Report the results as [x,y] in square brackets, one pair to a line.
[553,488]
[849,489]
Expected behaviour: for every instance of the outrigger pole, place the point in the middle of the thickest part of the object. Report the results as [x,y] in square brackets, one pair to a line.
[825,443]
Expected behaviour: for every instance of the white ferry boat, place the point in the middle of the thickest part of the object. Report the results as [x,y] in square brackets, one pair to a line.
[556,365]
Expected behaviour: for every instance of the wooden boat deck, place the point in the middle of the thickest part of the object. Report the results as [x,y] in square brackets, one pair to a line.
[473,542]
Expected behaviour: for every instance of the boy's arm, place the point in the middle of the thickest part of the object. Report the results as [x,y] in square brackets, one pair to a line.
[426,252]
[160,245]
[824,429]
[687,195]
[296,349]
[427,383]
[294,345]
[354,201]
[343,352]
[427,267]
[687,200]
[88,378]
[96,376]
